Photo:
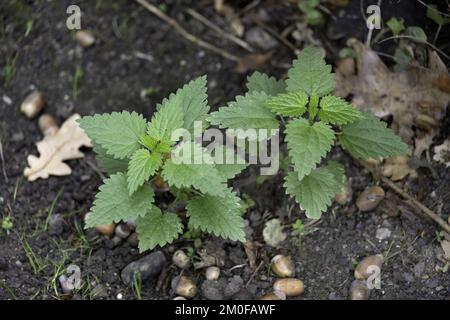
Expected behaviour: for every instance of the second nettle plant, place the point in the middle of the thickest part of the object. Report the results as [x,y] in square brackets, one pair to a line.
[314,121]
[135,152]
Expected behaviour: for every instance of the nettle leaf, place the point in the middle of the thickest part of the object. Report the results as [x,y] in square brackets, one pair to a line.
[167,119]
[218,215]
[338,172]
[113,203]
[315,192]
[307,144]
[228,164]
[311,74]
[118,133]
[247,112]
[289,104]
[337,111]
[192,99]
[181,170]
[142,166]
[157,228]
[371,138]
[108,163]
[260,82]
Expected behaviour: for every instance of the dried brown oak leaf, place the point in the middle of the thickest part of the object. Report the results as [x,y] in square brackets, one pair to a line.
[398,168]
[54,149]
[409,96]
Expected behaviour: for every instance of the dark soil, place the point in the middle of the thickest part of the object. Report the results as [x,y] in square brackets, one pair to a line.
[114,76]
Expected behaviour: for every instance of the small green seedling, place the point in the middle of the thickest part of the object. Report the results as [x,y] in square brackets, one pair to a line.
[314,121]
[298,228]
[135,152]
[311,10]
[7,224]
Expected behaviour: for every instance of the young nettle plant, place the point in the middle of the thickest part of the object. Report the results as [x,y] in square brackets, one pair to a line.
[314,121]
[134,152]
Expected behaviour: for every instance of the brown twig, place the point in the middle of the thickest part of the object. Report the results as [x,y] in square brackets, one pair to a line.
[2,158]
[189,36]
[275,34]
[418,204]
[254,273]
[217,29]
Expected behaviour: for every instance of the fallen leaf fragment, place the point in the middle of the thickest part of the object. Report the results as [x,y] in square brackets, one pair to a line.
[398,168]
[423,143]
[446,247]
[413,96]
[253,61]
[442,153]
[54,149]
[273,233]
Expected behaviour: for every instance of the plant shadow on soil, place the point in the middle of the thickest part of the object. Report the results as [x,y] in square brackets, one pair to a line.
[115,76]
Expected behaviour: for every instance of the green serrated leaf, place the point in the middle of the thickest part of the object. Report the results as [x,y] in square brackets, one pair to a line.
[338,172]
[416,33]
[227,169]
[108,163]
[247,112]
[192,99]
[370,138]
[434,14]
[182,170]
[142,166]
[157,228]
[260,82]
[113,203]
[167,119]
[217,215]
[311,74]
[314,192]
[396,25]
[288,104]
[337,111]
[307,144]
[118,133]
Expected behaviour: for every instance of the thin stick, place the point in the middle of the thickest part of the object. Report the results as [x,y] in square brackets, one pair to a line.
[418,204]
[284,41]
[254,273]
[3,162]
[189,36]
[217,29]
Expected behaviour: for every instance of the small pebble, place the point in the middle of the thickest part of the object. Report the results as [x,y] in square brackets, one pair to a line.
[359,291]
[383,233]
[64,283]
[56,225]
[212,273]
[85,38]
[122,231]
[33,104]
[148,267]
[133,240]
[370,198]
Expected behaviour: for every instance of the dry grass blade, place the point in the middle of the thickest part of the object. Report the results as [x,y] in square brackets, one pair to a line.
[224,34]
[189,36]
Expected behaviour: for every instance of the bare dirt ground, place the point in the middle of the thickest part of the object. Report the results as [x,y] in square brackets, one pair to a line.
[136,53]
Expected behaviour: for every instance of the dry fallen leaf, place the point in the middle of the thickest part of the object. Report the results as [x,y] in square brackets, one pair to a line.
[442,153]
[423,143]
[54,149]
[253,61]
[408,96]
[446,247]
[398,168]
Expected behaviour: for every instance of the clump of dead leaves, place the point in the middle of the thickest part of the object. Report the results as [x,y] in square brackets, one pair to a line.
[415,98]
[55,148]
